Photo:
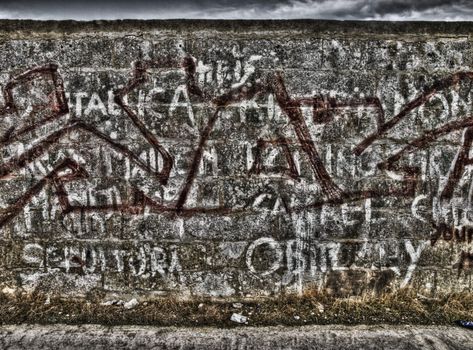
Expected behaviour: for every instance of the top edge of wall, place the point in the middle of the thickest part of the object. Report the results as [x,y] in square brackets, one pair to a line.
[239,26]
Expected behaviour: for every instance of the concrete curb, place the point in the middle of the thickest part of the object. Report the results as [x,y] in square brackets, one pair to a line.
[308,337]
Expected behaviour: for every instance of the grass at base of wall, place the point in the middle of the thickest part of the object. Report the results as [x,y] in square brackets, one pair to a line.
[401,307]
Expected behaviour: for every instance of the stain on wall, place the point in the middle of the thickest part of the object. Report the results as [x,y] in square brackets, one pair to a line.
[234,163]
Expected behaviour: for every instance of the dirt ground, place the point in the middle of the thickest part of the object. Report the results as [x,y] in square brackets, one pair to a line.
[404,307]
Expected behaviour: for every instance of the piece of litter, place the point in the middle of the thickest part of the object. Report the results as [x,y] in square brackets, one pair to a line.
[237,305]
[466,324]
[320,308]
[131,304]
[297,318]
[47,301]
[201,306]
[112,302]
[238,318]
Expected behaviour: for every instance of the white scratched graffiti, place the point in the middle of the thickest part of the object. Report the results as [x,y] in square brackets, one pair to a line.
[155,154]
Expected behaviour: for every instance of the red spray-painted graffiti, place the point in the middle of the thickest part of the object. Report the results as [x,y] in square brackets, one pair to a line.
[324,110]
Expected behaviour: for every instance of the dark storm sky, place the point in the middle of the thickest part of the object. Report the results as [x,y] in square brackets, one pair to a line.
[436,10]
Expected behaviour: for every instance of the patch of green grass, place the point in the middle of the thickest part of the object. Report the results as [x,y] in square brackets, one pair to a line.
[401,307]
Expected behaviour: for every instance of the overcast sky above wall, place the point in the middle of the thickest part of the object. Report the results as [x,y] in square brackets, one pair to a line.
[424,10]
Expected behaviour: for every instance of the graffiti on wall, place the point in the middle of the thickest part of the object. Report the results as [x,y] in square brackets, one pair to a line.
[43,131]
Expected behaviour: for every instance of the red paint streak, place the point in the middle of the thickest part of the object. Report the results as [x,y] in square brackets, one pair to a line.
[44,145]
[291,107]
[324,111]
[257,168]
[139,79]
[53,178]
[451,234]
[293,111]
[462,159]
[410,106]
[57,101]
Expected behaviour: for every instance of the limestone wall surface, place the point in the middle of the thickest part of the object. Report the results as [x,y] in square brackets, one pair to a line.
[235,159]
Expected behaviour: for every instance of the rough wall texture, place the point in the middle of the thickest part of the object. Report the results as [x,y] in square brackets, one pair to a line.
[235,158]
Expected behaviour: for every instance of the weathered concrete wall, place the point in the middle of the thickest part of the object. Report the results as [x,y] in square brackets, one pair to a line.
[235,159]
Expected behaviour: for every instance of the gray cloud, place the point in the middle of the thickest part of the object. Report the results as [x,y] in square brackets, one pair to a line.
[240,9]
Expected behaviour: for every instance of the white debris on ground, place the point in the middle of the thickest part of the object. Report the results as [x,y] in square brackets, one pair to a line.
[131,304]
[238,318]
[237,305]
[127,305]
[113,302]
